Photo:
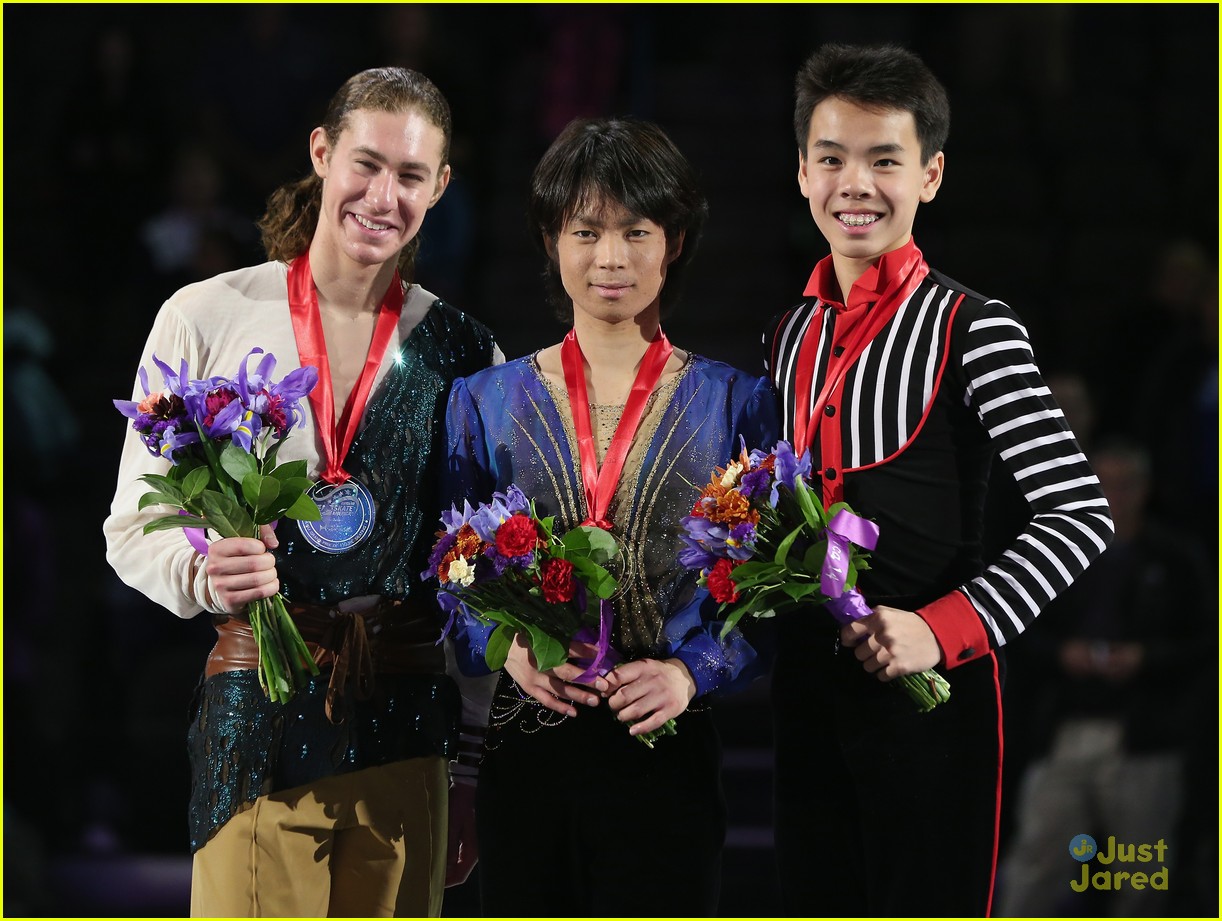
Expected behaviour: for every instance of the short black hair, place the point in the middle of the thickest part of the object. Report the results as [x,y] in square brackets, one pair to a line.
[624,161]
[873,77]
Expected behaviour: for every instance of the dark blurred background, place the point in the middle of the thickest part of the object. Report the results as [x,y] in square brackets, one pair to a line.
[143,141]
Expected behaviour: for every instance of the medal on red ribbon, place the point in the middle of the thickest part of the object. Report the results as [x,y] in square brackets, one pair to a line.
[346,504]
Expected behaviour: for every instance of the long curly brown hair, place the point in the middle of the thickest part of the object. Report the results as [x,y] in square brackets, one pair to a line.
[292,210]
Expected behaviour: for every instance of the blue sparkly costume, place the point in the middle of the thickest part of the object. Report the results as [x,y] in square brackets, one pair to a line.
[510,424]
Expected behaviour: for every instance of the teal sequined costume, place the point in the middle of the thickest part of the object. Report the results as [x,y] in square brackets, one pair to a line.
[243,746]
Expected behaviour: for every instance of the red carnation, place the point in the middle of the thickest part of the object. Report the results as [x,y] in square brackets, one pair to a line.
[558,581]
[517,535]
[721,586]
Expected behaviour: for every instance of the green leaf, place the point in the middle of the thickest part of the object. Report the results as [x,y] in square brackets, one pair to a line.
[291,492]
[546,524]
[238,463]
[782,550]
[590,542]
[303,509]
[166,486]
[812,562]
[812,509]
[497,650]
[294,484]
[260,492]
[799,590]
[762,579]
[291,470]
[179,471]
[169,522]
[225,516]
[157,498]
[196,481]
[742,609]
[599,582]
[549,652]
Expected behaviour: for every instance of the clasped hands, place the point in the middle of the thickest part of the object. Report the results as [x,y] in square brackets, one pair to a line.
[644,692]
[892,642]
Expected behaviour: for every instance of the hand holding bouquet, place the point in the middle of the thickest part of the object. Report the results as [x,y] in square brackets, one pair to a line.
[506,566]
[221,436]
[764,545]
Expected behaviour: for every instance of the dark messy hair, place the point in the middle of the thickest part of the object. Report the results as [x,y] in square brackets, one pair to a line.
[292,210]
[632,163]
[873,77]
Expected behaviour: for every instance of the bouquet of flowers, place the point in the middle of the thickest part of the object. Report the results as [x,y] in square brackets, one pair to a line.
[504,565]
[221,436]
[764,544]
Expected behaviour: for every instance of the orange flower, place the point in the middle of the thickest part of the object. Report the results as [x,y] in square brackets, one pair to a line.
[733,509]
[467,543]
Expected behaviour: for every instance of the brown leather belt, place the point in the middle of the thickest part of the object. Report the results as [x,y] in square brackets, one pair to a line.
[386,637]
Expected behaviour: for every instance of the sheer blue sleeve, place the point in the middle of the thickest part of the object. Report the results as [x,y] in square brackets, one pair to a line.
[467,472]
[759,422]
[718,665]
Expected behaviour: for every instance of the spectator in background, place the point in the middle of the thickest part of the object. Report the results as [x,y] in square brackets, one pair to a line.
[1114,712]
[1174,412]
[198,234]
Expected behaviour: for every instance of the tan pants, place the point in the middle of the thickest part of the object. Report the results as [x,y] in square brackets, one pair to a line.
[367,844]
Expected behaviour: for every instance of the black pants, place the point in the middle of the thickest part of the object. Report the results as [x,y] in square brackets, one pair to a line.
[582,820]
[881,810]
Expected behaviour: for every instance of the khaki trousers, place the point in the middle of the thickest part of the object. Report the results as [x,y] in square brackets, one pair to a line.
[368,844]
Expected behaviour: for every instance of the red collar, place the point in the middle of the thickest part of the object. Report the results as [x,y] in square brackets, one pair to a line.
[866,290]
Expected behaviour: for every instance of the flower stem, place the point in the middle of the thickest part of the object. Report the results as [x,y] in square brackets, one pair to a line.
[666,729]
[927,690]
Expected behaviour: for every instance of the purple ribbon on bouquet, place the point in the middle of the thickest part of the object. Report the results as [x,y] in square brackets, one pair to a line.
[605,657]
[195,537]
[846,605]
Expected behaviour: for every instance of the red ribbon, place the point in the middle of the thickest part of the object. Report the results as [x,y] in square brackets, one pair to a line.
[600,483]
[312,350]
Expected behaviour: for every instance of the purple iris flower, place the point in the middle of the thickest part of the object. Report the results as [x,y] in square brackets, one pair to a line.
[515,500]
[455,519]
[741,542]
[703,537]
[162,420]
[179,383]
[165,439]
[221,413]
[695,555]
[492,515]
[277,405]
[789,466]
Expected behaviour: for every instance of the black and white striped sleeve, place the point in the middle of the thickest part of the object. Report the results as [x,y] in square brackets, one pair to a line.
[1070,524]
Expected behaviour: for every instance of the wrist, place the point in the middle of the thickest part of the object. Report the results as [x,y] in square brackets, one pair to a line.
[684,677]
